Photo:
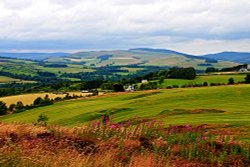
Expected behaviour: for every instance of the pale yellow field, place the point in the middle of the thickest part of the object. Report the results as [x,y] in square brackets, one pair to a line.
[4,79]
[28,99]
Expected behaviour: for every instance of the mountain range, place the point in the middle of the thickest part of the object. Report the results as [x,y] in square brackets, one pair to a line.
[138,56]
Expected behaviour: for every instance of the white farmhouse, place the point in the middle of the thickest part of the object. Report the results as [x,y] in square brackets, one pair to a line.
[144,81]
[130,88]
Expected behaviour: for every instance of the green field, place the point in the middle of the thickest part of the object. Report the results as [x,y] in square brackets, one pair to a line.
[201,79]
[225,105]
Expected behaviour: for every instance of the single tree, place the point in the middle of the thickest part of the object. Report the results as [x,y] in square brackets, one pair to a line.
[247,79]
[42,120]
[19,106]
[3,108]
[12,107]
[118,87]
[230,81]
[37,101]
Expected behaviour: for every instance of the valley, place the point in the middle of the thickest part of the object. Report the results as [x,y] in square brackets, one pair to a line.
[141,103]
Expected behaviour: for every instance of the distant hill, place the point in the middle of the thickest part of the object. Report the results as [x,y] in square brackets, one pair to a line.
[32,56]
[238,57]
[139,56]
[136,56]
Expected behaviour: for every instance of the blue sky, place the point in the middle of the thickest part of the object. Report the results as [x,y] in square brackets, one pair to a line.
[191,26]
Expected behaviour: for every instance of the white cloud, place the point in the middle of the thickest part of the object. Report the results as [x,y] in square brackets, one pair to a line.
[131,21]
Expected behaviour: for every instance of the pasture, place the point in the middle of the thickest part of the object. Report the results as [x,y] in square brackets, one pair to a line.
[223,105]
[223,79]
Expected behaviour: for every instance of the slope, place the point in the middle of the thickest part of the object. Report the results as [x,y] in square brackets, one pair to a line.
[206,105]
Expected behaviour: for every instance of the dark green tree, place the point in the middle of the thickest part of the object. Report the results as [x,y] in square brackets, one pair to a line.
[211,69]
[161,80]
[3,108]
[205,84]
[230,81]
[182,73]
[12,107]
[19,106]
[38,101]
[118,87]
[42,120]
[247,79]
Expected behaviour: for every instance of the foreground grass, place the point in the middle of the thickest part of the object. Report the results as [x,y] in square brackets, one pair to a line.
[130,143]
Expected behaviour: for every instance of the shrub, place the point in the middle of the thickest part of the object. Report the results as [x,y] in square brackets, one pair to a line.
[42,120]
[247,79]
[213,84]
[205,84]
[175,86]
[58,99]
[19,107]
[230,81]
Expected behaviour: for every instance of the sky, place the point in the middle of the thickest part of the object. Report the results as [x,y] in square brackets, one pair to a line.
[191,26]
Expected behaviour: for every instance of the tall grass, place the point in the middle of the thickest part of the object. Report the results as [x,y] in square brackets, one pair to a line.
[133,142]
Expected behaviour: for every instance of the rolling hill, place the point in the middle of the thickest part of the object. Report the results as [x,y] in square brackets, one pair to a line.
[115,62]
[238,57]
[139,56]
[207,105]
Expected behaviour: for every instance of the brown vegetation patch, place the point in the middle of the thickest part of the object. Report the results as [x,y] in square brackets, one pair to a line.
[180,145]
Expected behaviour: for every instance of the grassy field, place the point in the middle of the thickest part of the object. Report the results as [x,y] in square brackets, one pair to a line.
[28,99]
[201,79]
[216,130]
[224,105]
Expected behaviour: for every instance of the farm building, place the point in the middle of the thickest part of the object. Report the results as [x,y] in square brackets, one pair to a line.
[130,88]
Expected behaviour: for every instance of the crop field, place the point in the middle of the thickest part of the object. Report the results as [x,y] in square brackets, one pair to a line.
[201,79]
[4,79]
[28,99]
[223,105]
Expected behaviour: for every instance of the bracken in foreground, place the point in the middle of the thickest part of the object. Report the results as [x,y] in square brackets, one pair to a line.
[135,142]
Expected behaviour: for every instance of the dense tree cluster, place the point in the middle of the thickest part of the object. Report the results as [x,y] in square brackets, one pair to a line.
[182,73]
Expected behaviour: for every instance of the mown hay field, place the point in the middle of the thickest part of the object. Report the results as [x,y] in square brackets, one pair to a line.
[28,99]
